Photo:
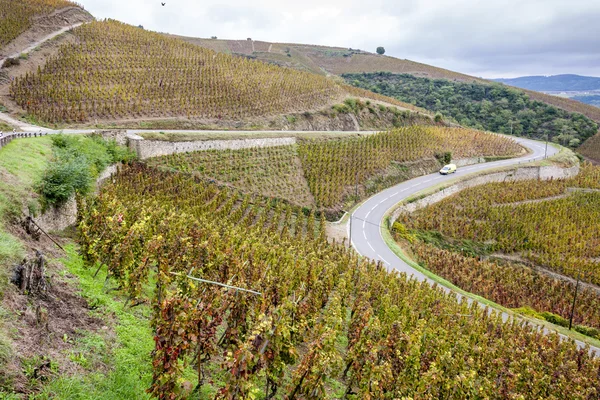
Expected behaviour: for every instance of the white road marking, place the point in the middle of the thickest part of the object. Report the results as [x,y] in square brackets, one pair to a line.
[369,243]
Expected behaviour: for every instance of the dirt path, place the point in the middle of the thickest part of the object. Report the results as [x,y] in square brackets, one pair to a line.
[39,42]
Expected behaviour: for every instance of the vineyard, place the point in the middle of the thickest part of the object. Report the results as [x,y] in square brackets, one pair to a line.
[114,70]
[333,167]
[513,286]
[16,16]
[322,173]
[547,225]
[309,319]
[273,171]
[561,234]
[591,148]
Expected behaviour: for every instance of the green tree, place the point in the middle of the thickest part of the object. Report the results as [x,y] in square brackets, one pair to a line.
[380,50]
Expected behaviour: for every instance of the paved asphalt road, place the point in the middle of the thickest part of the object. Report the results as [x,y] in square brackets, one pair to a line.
[368,218]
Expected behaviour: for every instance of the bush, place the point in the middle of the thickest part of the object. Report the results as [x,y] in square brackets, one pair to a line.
[444,158]
[380,50]
[63,178]
[9,62]
[587,331]
[77,162]
[555,319]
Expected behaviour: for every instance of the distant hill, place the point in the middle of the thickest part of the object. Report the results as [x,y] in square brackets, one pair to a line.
[556,83]
[490,106]
[338,60]
[325,60]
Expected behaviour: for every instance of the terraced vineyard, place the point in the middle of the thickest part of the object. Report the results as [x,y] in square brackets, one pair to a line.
[333,167]
[535,223]
[115,70]
[319,323]
[322,173]
[271,171]
[16,16]
[591,148]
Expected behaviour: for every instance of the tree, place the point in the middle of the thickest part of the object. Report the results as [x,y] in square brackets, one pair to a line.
[380,50]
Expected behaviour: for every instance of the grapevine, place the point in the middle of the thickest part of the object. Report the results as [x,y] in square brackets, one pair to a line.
[322,313]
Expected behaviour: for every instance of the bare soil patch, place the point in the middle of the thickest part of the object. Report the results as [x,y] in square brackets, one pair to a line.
[44,324]
[44,26]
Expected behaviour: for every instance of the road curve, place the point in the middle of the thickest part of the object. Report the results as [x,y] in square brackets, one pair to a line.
[368,218]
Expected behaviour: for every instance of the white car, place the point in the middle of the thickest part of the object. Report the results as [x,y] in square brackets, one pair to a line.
[448,169]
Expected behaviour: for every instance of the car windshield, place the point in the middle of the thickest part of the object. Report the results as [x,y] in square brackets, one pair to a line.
[445,168]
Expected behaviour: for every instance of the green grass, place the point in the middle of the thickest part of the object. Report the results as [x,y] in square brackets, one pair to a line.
[115,367]
[22,162]
[4,127]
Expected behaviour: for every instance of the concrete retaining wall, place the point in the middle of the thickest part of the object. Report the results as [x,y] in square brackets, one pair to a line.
[155,148]
[517,174]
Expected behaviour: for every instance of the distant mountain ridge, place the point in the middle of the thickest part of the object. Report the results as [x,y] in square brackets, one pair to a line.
[555,83]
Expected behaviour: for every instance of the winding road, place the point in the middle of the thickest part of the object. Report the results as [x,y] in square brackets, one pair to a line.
[368,218]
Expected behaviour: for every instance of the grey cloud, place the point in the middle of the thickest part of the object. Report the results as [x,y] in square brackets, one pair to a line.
[501,37]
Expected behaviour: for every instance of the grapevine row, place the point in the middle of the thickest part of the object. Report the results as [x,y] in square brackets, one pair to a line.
[560,234]
[322,314]
[113,70]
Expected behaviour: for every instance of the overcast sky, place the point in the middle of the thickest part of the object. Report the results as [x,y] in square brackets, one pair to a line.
[486,38]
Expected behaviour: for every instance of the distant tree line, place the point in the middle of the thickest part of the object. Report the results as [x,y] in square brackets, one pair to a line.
[493,107]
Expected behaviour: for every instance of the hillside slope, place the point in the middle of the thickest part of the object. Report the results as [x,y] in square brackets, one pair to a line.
[110,71]
[494,107]
[25,21]
[323,59]
[338,60]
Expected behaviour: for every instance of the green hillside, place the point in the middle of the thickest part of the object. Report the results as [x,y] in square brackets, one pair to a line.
[494,107]
[338,61]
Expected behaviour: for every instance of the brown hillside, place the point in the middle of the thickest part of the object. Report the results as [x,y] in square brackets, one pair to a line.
[591,149]
[337,61]
[23,22]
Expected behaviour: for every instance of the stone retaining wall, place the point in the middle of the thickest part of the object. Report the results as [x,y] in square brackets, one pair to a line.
[155,148]
[517,174]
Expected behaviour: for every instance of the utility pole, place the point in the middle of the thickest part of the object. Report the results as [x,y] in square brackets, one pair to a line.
[574,299]
[546,152]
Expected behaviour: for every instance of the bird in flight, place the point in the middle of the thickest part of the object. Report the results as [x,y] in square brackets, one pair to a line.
[163,4]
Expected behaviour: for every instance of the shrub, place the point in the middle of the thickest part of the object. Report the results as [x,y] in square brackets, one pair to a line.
[555,319]
[77,162]
[444,158]
[587,331]
[63,178]
[9,62]
[380,50]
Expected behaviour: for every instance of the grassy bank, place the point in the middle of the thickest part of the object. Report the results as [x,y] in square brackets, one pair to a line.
[22,162]
[115,361]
